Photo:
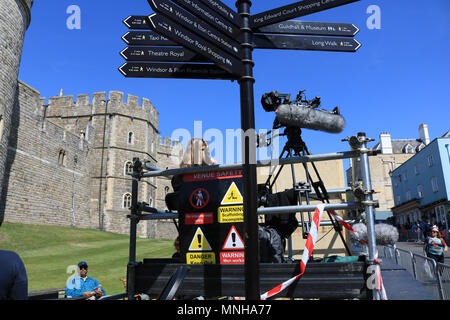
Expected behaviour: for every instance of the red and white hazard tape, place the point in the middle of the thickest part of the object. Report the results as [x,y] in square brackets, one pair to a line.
[309,247]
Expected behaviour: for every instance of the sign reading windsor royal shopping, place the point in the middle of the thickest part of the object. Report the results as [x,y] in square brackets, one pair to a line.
[200,39]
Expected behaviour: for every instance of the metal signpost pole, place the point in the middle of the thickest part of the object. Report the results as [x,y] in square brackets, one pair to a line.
[252,287]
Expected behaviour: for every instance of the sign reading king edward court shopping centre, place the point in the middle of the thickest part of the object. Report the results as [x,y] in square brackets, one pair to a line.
[211,218]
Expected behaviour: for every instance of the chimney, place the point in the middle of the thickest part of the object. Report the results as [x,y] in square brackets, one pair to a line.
[385,143]
[423,132]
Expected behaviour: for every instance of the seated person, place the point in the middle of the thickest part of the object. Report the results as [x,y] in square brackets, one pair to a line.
[84,286]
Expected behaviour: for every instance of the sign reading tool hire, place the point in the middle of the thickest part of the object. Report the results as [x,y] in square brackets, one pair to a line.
[211,218]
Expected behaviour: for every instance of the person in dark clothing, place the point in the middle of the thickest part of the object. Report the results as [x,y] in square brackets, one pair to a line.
[13,277]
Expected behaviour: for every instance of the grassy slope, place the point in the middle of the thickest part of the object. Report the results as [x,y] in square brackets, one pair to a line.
[48,251]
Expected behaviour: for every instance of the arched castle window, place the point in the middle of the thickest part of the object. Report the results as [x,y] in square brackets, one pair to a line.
[62,157]
[128,167]
[126,201]
[130,138]
[150,201]
[166,190]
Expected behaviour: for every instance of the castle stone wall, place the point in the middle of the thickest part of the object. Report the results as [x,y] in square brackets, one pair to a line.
[48,170]
[14,19]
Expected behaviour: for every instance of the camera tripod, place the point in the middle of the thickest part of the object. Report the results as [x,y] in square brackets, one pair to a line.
[296,147]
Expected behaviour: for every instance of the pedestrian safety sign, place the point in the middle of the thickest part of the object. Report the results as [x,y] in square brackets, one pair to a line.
[199,242]
[233,196]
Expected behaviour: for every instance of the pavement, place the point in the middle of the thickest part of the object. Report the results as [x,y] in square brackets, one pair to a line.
[417,247]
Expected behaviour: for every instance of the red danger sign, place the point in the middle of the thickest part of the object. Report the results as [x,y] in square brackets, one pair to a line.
[199,198]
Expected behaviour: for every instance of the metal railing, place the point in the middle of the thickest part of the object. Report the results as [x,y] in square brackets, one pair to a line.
[434,276]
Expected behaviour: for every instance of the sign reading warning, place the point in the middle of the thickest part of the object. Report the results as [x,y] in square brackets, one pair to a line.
[199,242]
[231,214]
[233,196]
[232,257]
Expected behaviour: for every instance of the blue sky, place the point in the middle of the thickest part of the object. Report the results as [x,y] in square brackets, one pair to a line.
[397,80]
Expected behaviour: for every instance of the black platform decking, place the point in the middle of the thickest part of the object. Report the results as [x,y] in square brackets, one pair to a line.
[340,280]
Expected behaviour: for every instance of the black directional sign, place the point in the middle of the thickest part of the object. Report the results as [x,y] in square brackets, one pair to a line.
[175,71]
[310,28]
[210,16]
[305,43]
[172,54]
[136,22]
[194,24]
[295,10]
[146,38]
[222,9]
[175,32]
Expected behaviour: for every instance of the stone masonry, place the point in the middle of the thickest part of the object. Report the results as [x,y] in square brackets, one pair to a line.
[14,20]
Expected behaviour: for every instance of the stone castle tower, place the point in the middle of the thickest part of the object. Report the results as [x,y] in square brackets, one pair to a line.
[15,18]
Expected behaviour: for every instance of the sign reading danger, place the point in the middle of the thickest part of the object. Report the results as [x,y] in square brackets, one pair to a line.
[199,198]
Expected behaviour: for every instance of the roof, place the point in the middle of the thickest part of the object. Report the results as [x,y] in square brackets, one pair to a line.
[398,145]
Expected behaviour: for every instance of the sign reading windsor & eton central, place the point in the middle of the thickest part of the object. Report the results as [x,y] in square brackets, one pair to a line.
[206,39]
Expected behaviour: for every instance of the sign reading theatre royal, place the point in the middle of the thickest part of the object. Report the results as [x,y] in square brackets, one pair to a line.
[211,218]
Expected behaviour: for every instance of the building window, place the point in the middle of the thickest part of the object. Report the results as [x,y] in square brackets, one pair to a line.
[434,184]
[397,200]
[409,149]
[420,191]
[62,157]
[416,169]
[166,190]
[405,176]
[130,138]
[430,160]
[408,195]
[150,201]
[128,168]
[127,201]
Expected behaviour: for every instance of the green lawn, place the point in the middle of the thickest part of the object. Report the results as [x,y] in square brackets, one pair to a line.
[48,252]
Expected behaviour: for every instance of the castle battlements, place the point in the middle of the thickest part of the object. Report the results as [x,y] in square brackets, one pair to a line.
[83,105]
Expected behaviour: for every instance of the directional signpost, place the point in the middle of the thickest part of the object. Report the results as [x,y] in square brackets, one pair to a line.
[196,25]
[295,10]
[205,39]
[271,41]
[146,38]
[310,28]
[174,71]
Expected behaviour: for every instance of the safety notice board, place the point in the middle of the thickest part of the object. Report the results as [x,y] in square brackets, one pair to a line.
[211,218]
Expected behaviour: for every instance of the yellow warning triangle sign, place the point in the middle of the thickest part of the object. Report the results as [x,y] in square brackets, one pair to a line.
[233,196]
[199,242]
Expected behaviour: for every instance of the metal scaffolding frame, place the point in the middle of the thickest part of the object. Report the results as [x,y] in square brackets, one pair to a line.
[358,144]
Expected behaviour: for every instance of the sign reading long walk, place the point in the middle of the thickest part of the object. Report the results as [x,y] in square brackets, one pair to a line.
[196,25]
[136,22]
[190,40]
[310,28]
[175,71]
[295,10]
[271,41]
